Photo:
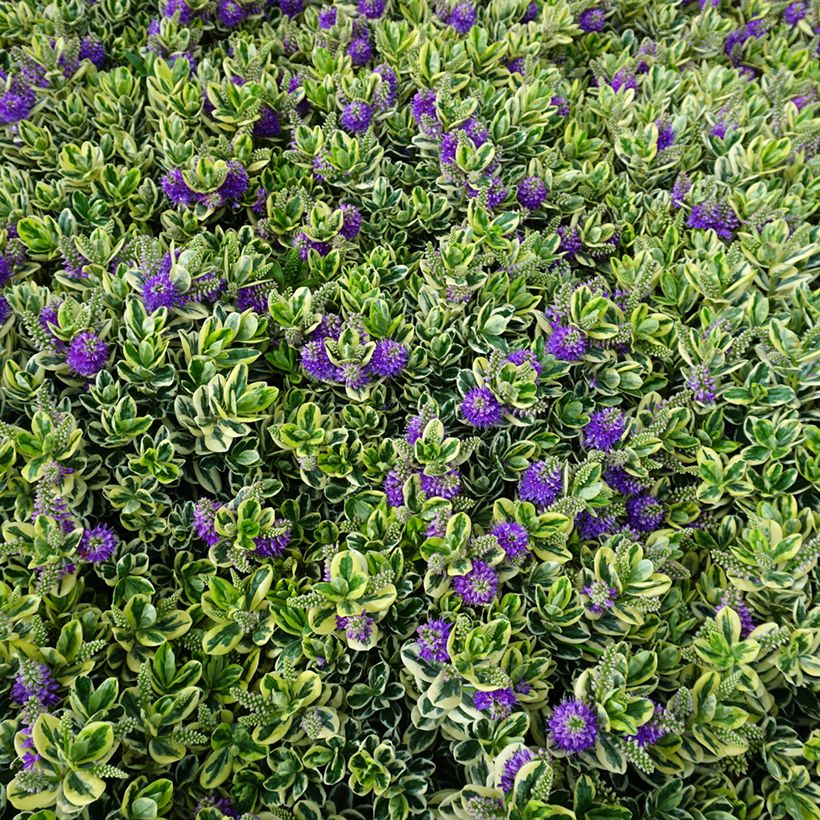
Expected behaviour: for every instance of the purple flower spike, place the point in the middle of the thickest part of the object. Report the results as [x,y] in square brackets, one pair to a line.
[432,641]
[97,544]
[604,429]
[498,703]
[568,344]
[645,513]
[512,538]
[541,483]
[573,726]
[204,516]
[159,291]
[389,359]
[87,354]
[372,9]
[481,408]
[442,486]
[351,222]
[356,117]
[701,383]
[462,18]
[592,20]
[511,769]
[478,586]
[532,192]
[34,680]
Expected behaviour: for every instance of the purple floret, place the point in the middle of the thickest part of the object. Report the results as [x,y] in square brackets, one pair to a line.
[478,586]
[512,538]
[512,767]
[35,680]
[360,51]
[356,117]
[351,222]
[447,486]
[532,193]
[97,544]
[592,20]
[431,639]
[645,513]
[498,703]
[573,726]
[568,344]
[462,18]
[87,354]
[541,483]
[204,517]
[604,429]
[481,408]
[159,291]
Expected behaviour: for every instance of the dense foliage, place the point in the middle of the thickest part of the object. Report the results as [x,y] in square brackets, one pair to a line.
[409,409]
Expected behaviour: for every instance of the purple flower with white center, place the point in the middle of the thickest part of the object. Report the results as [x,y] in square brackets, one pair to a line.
[592,20]
[680,189]
[570,240]
[176,189]
[512,538]
[431,639]
[666,135]
[481,408]
[360,51]
[573,726]
[645,513]
[87,353]
[394,487]
[734,600]
[269,546]
[601,596]
[204,517]
[34,680]
[372,9]
[794,13]
[327,18]
[385,95]
[519,357]
[716,216]
[623,79]
[316,362]
[541,483]
[388,359]
[498,703]
[478,586]
[590,527]
[532,193]
[446,486]
[159,291]
[531,13]
[97,544]
[568,344]
[476,131]
[230,13]
[268,125]
[622,481]
[512,767]
[651,732]
[423,110]
[702,384]
[358,628]
[351,222]
[604,429]
[356,117]
[291,8]
[462,18]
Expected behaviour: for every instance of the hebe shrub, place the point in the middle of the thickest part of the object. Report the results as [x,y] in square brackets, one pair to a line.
[409,410]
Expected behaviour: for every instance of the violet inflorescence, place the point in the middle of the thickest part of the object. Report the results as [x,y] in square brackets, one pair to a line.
[409,409]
